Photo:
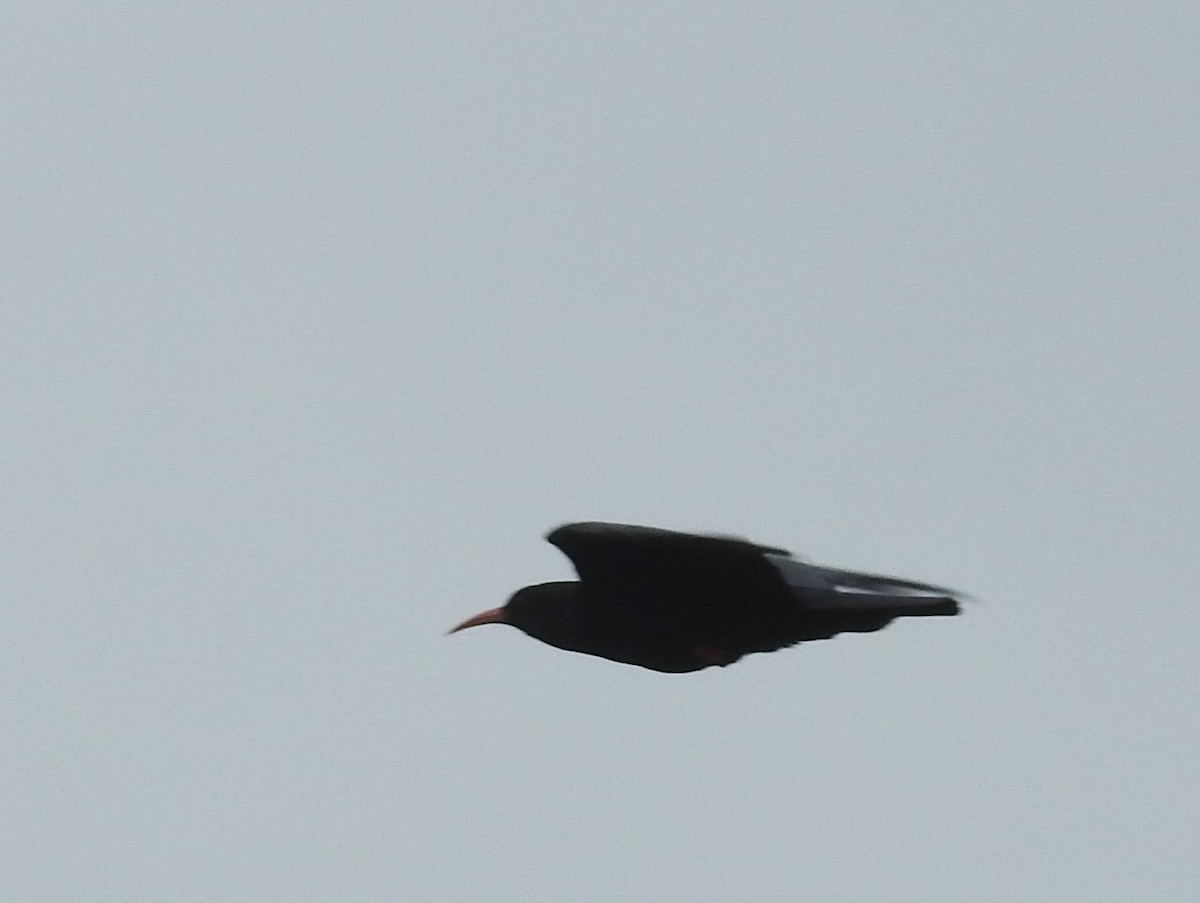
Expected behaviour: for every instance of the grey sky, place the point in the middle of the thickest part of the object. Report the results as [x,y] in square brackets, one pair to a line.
[316,317]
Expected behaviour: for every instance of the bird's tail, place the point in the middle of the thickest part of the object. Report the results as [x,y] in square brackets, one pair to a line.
[832,590]
[853,591]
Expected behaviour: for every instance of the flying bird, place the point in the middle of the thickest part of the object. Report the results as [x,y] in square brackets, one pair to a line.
[680,602]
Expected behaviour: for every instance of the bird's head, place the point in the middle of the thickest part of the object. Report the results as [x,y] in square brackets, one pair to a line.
[546,612]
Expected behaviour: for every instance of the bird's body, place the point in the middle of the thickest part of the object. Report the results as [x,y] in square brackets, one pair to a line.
[680,602]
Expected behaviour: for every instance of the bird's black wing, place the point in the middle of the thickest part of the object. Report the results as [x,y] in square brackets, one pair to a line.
[728,593]
[714,581]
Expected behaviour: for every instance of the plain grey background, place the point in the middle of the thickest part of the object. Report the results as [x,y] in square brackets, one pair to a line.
[316,316]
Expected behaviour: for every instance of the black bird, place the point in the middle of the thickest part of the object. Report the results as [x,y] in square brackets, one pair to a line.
[680,602]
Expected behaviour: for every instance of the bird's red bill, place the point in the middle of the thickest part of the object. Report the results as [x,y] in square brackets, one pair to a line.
[491,616]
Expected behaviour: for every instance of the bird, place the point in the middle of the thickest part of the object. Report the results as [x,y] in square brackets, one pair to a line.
[680,602]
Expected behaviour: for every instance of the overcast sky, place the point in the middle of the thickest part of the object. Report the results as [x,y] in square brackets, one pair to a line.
[316,317]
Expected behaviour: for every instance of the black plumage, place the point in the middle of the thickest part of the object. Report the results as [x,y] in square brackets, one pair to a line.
[680,602]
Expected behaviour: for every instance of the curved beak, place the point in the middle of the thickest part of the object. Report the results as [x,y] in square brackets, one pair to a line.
[491,616]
